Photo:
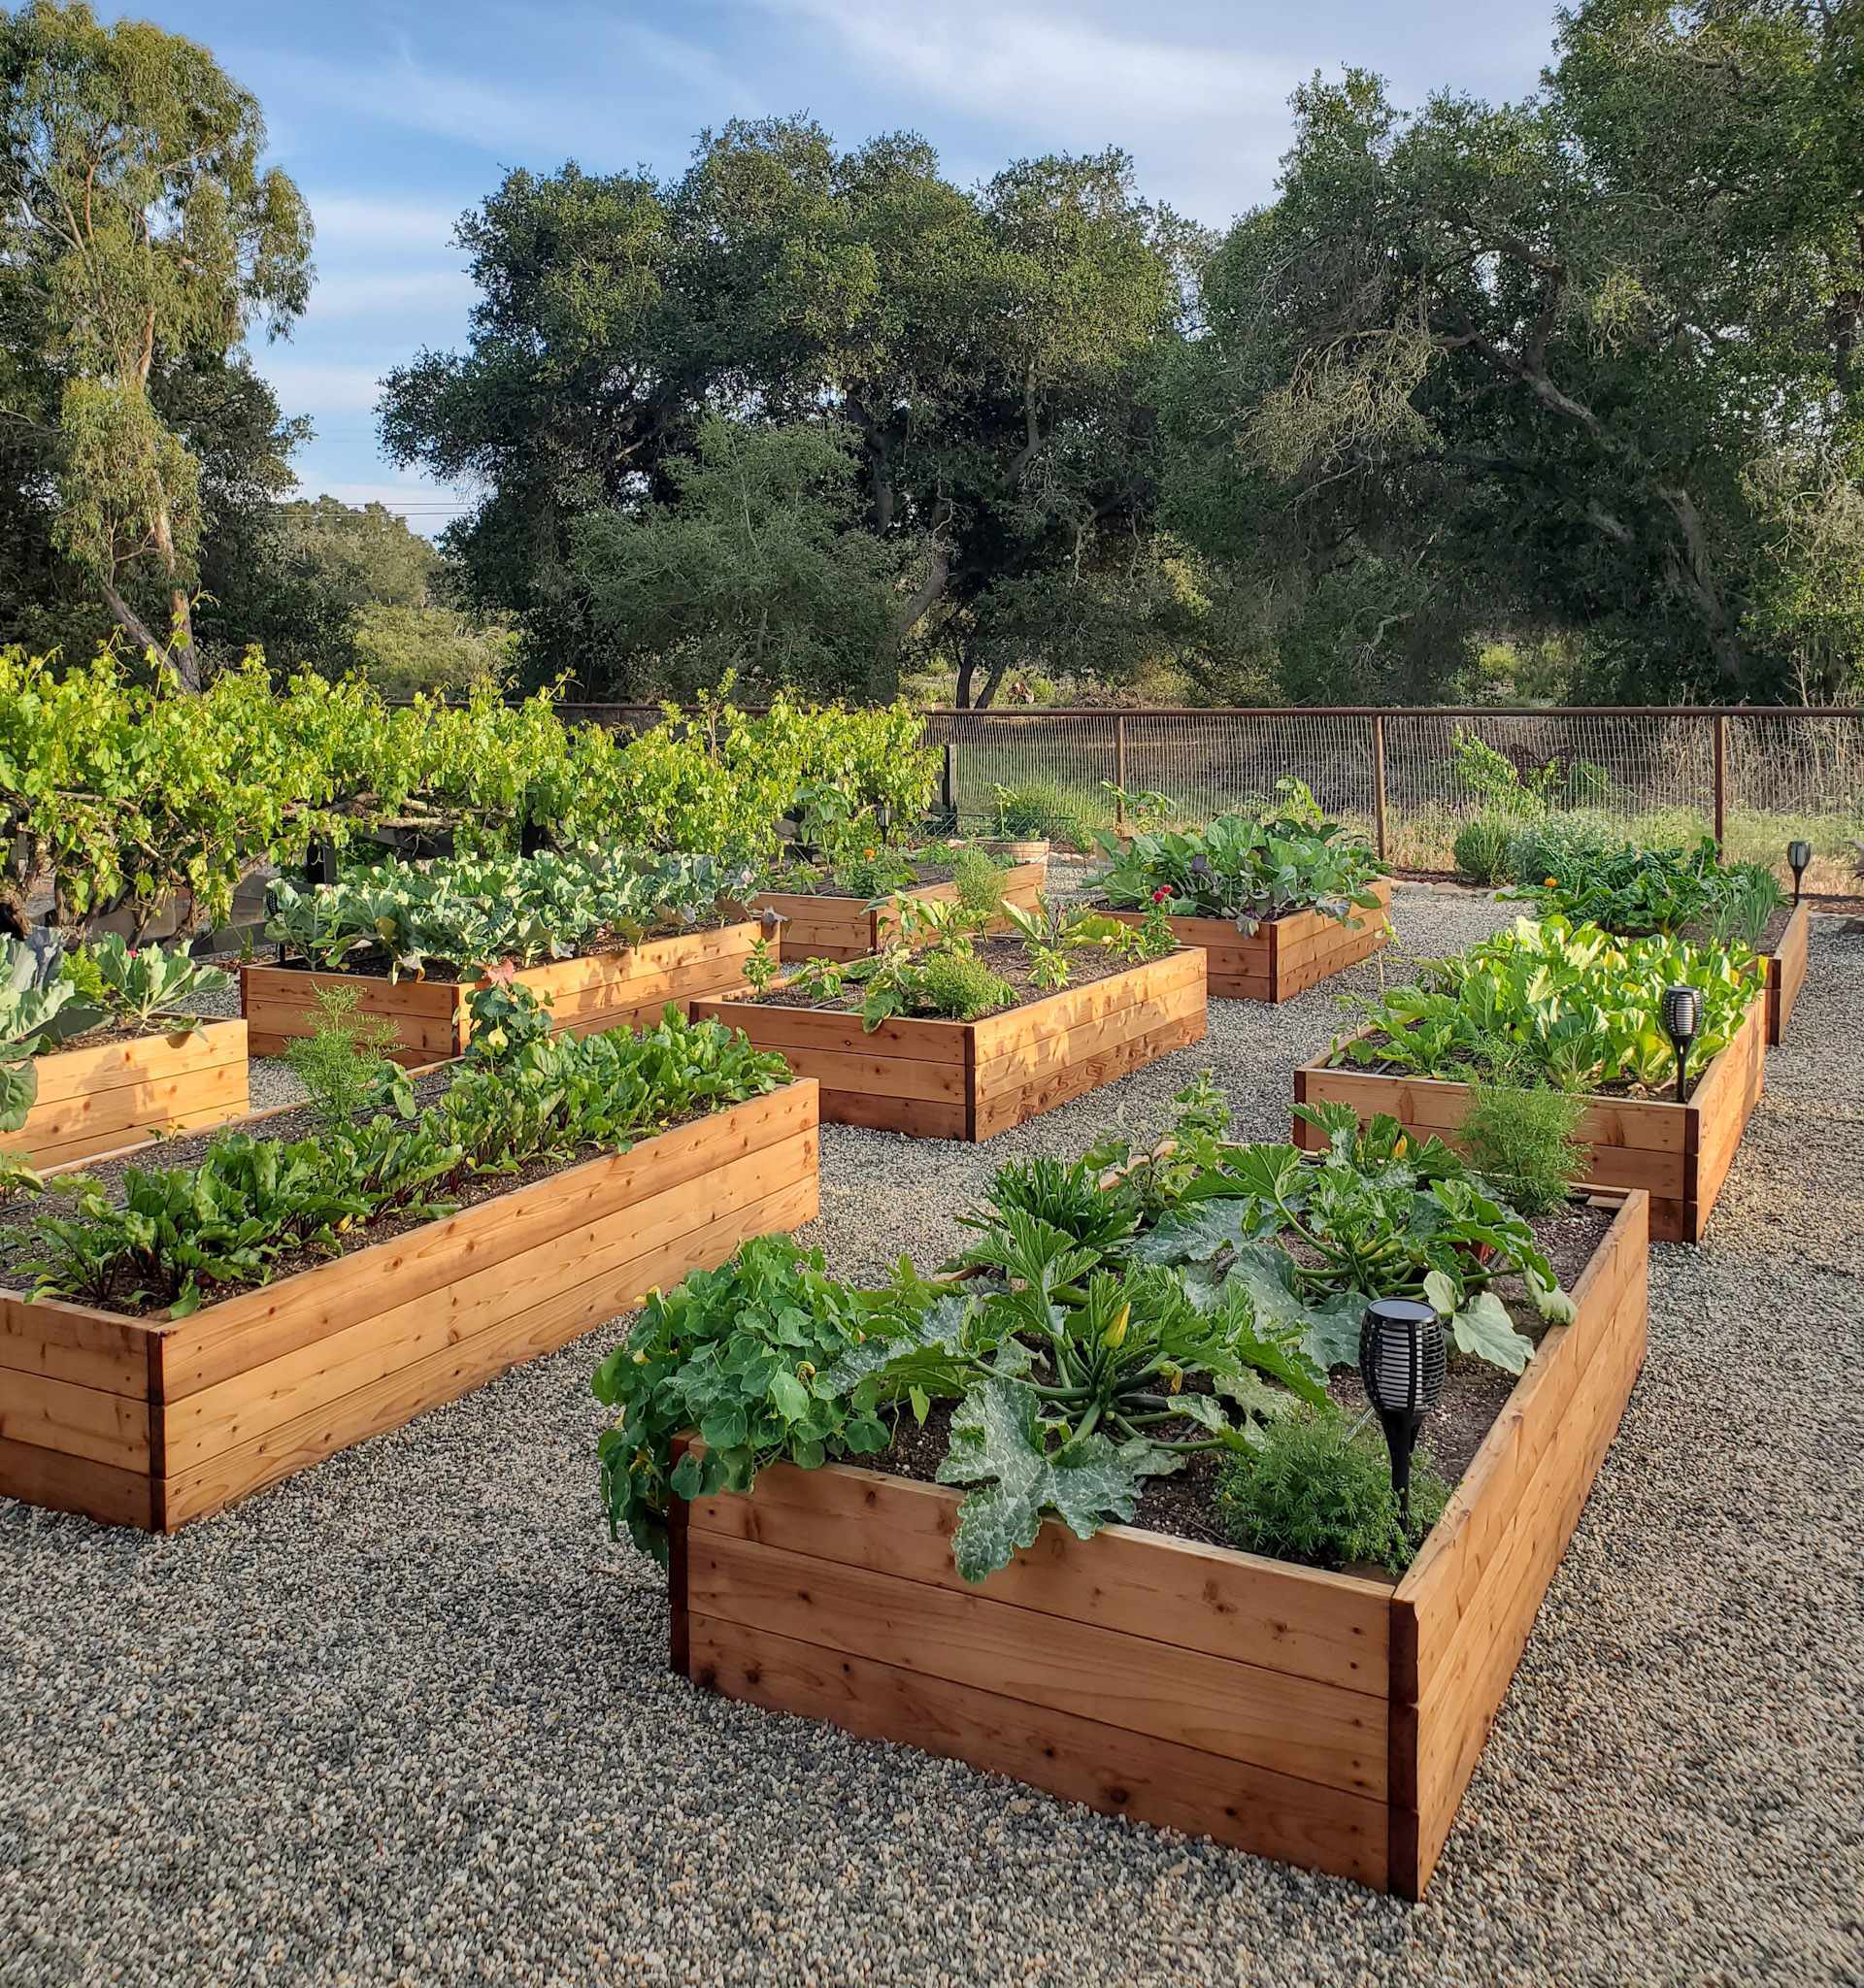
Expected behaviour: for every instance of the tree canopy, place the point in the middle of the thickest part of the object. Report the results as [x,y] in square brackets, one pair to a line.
[981,356]
[139,236]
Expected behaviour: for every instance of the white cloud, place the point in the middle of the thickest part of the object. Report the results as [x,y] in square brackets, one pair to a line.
[320,386]
[380,292]
[356,222]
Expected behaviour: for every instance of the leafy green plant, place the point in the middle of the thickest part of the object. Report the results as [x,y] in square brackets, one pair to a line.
[40,1009]
[1045,810]
[470,913]
[738,1355]
[1635,892]
[1375,1214]
[135,984]
[1521,1139]
[1318,1489]
[1243,869]
[955,984]
[344,1063]
[1558,1005]
[977,881]
[182,1235]
[1498,782]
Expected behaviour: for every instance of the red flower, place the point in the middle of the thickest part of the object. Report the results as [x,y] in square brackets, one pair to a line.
[1160,895]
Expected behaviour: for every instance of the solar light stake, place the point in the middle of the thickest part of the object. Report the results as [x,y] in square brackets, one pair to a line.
[1798,856]
[883,818]
[1681,1022]
[1401,1361]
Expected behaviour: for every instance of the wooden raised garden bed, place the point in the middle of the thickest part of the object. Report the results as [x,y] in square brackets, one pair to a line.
[1679,1154]
[845,928]
[970,1079]
[150,1423]
[103,1099]
[1324,1720]
[1284,957]
[606,990]
[1787,971]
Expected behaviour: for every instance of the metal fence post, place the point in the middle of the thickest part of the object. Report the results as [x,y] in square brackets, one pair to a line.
[1119,769]
[1379,783]
[1722,777]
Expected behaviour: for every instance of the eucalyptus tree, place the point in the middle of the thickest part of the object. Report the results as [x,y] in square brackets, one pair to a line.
[140,235]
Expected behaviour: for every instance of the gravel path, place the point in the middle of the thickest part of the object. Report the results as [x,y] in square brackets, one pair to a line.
[406,1719]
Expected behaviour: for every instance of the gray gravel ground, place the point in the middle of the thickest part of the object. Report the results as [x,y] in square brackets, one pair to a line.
[406,1719]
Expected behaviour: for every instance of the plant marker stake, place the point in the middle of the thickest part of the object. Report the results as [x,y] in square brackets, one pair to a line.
[1682,1021]
[1799,855]
[1401,1361]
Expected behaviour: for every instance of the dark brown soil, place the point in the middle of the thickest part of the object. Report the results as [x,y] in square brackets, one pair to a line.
[1184,1504]
[299,1122]
[1007,958]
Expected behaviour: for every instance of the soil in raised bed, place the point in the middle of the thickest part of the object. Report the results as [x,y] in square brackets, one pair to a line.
[299,1122]
[1005,957]
[1184,1504]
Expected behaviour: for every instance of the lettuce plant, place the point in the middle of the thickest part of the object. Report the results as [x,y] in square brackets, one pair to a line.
[1552,1003]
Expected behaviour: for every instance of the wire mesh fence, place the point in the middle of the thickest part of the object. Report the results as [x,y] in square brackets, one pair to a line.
[1756,779]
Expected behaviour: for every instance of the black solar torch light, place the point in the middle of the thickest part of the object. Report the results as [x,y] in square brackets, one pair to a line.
[1401,1361]
[1798,856]
[883,818]
[1682,1023]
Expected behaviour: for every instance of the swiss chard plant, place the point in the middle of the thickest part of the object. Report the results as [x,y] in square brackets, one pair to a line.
[931,965]
[1244,868]
[178,1237]
[465,916]
[1554,1004]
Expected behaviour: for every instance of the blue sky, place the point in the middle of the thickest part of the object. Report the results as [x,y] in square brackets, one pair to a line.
[394,117]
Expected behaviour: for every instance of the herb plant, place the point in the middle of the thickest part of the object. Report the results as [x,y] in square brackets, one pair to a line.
[1521,1139]
[344,1063]
[1318,1489]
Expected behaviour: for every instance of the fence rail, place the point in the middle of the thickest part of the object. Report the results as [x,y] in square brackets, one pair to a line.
[1753,778]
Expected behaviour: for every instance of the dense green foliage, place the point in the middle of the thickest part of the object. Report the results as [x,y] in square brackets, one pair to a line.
[139,235]
[1554,1004]
[182,1235]
[140,986]
[1110,1317]
[1584,366]
[468,914]
[984,354]
[120,793]
[1522,1139]
[1244,868]
[1318,1489]
[1588,878]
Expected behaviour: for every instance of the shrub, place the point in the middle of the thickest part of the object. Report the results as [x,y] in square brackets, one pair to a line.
[1319,1490]
[1046,811]
[979,884]
[959,984]
[1481,851]
[1521,1141]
